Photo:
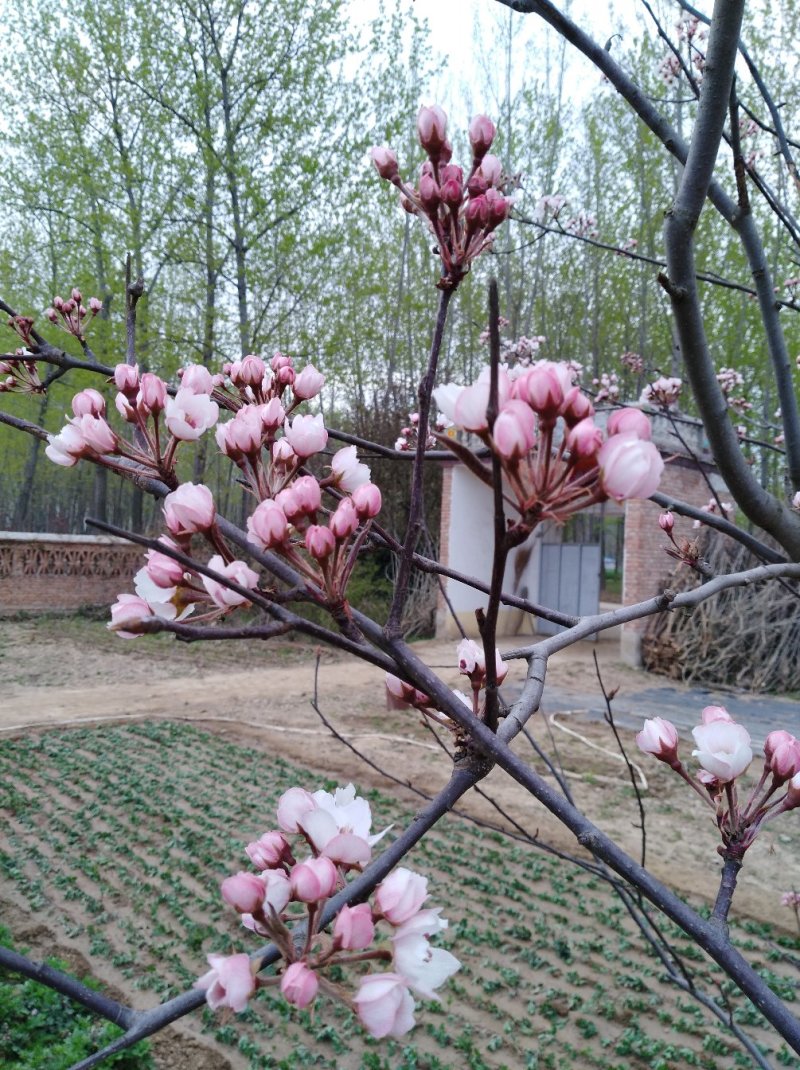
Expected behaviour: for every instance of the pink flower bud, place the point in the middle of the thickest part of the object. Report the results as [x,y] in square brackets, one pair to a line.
[270,850]
[307,494]
[432,130]
[622,420]
[164,571]
[152,396]
[514,430]
[197,378]
[773,740]
[95,305]
[272,415]
[354,929]
[491,170]
[229,982]
[291,806]
[126,379]
[127,613]
[344,521]
[244,892]
[429,194]
[236,571]
[250,372]
[52,315]
[313,880]
[96,433]
[367,500]
[585,439]
[282,452]
[576,407]
[785,760]
[306,435]
[384,1005]
[666,522]
[400,695]
[544,388]
[268,527]
[285,376]
[280,360]
[659,738]
[629,467]
[189,509]
[452,193]
[476,213]
[481,135]
[401,895]
[792,793]
[89,402]
[299,984]
[58,303]
[385,161]
[242,435]
[711,714]
[308,383]
[320,542]
[498,206]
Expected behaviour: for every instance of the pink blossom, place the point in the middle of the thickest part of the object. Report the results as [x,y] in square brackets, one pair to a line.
[711,714]
[723,749]
[125,409]
[89,402]
[197,378]
[348,472]
[308,383]
[385,161]
[491,170]
[96,433]
[320,541]
[432,130]
[278,890]
[307,494]
[126,379]
[127,612]
[784,761]
[306,434]
[344,521]
[238,572]
[400,895]
[229,982]
[497,206]
[429,193]
[351,812]
[244,892]
[280,361]
[164,571]
[544,388]
[272,414]
[354,928]
[268,527]
[481,135]
[400,695]
[384,1005]
[424,968]
[291,806]
[576,407]
[152,396]
[189,415]
[584,439]
[67,447]
[629,467]
[472,662]
[299,984]
[249,371]
[313,880]
[367,500]
[470,408]
[242,434]
[514,430]
[659,738]
[622,420]
[270,849]
[189,509]
[666,522]
[343,847]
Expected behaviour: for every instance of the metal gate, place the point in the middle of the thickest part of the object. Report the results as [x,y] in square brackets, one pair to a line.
[569,580]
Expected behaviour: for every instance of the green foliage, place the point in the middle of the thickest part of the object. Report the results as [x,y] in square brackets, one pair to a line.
[41,1028]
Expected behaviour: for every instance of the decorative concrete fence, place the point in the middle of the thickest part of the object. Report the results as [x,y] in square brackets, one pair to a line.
[39,573]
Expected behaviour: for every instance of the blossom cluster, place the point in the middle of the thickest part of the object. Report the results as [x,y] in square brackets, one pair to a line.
[607,387]
[71,315]
[554,457]
[21,375]
[730,380]
[471,663]
[663,392]
[409,436]
[271,444]
[724,753]
[632,361]
[394,928]
[461,211]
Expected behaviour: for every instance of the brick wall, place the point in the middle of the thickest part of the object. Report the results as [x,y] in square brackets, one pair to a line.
[646,565]
[63,572]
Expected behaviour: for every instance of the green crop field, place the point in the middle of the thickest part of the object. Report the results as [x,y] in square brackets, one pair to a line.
[115,840]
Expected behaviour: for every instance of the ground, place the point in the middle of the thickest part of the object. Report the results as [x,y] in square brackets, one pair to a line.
[258,697]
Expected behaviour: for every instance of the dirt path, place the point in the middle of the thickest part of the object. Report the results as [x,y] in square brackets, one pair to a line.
[81,674]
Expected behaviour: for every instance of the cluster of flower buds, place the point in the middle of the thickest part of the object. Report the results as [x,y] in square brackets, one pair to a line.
[730,380]
[669,69]
[409,436]
[549,207]
[687,551]
[21,376]
[582,225]
[663,393]
[516,352]
[471,663]
[555,458]
[725,510]
[724,753]
[462,212]
[632,361]
[607,387]
[394,928]
[627,247]
[70,315]
[22,326]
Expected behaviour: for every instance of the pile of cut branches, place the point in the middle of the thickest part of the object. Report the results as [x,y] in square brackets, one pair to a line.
[745,637]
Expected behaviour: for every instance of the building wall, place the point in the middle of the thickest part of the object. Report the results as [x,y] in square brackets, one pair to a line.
[646,565]
[40,573]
